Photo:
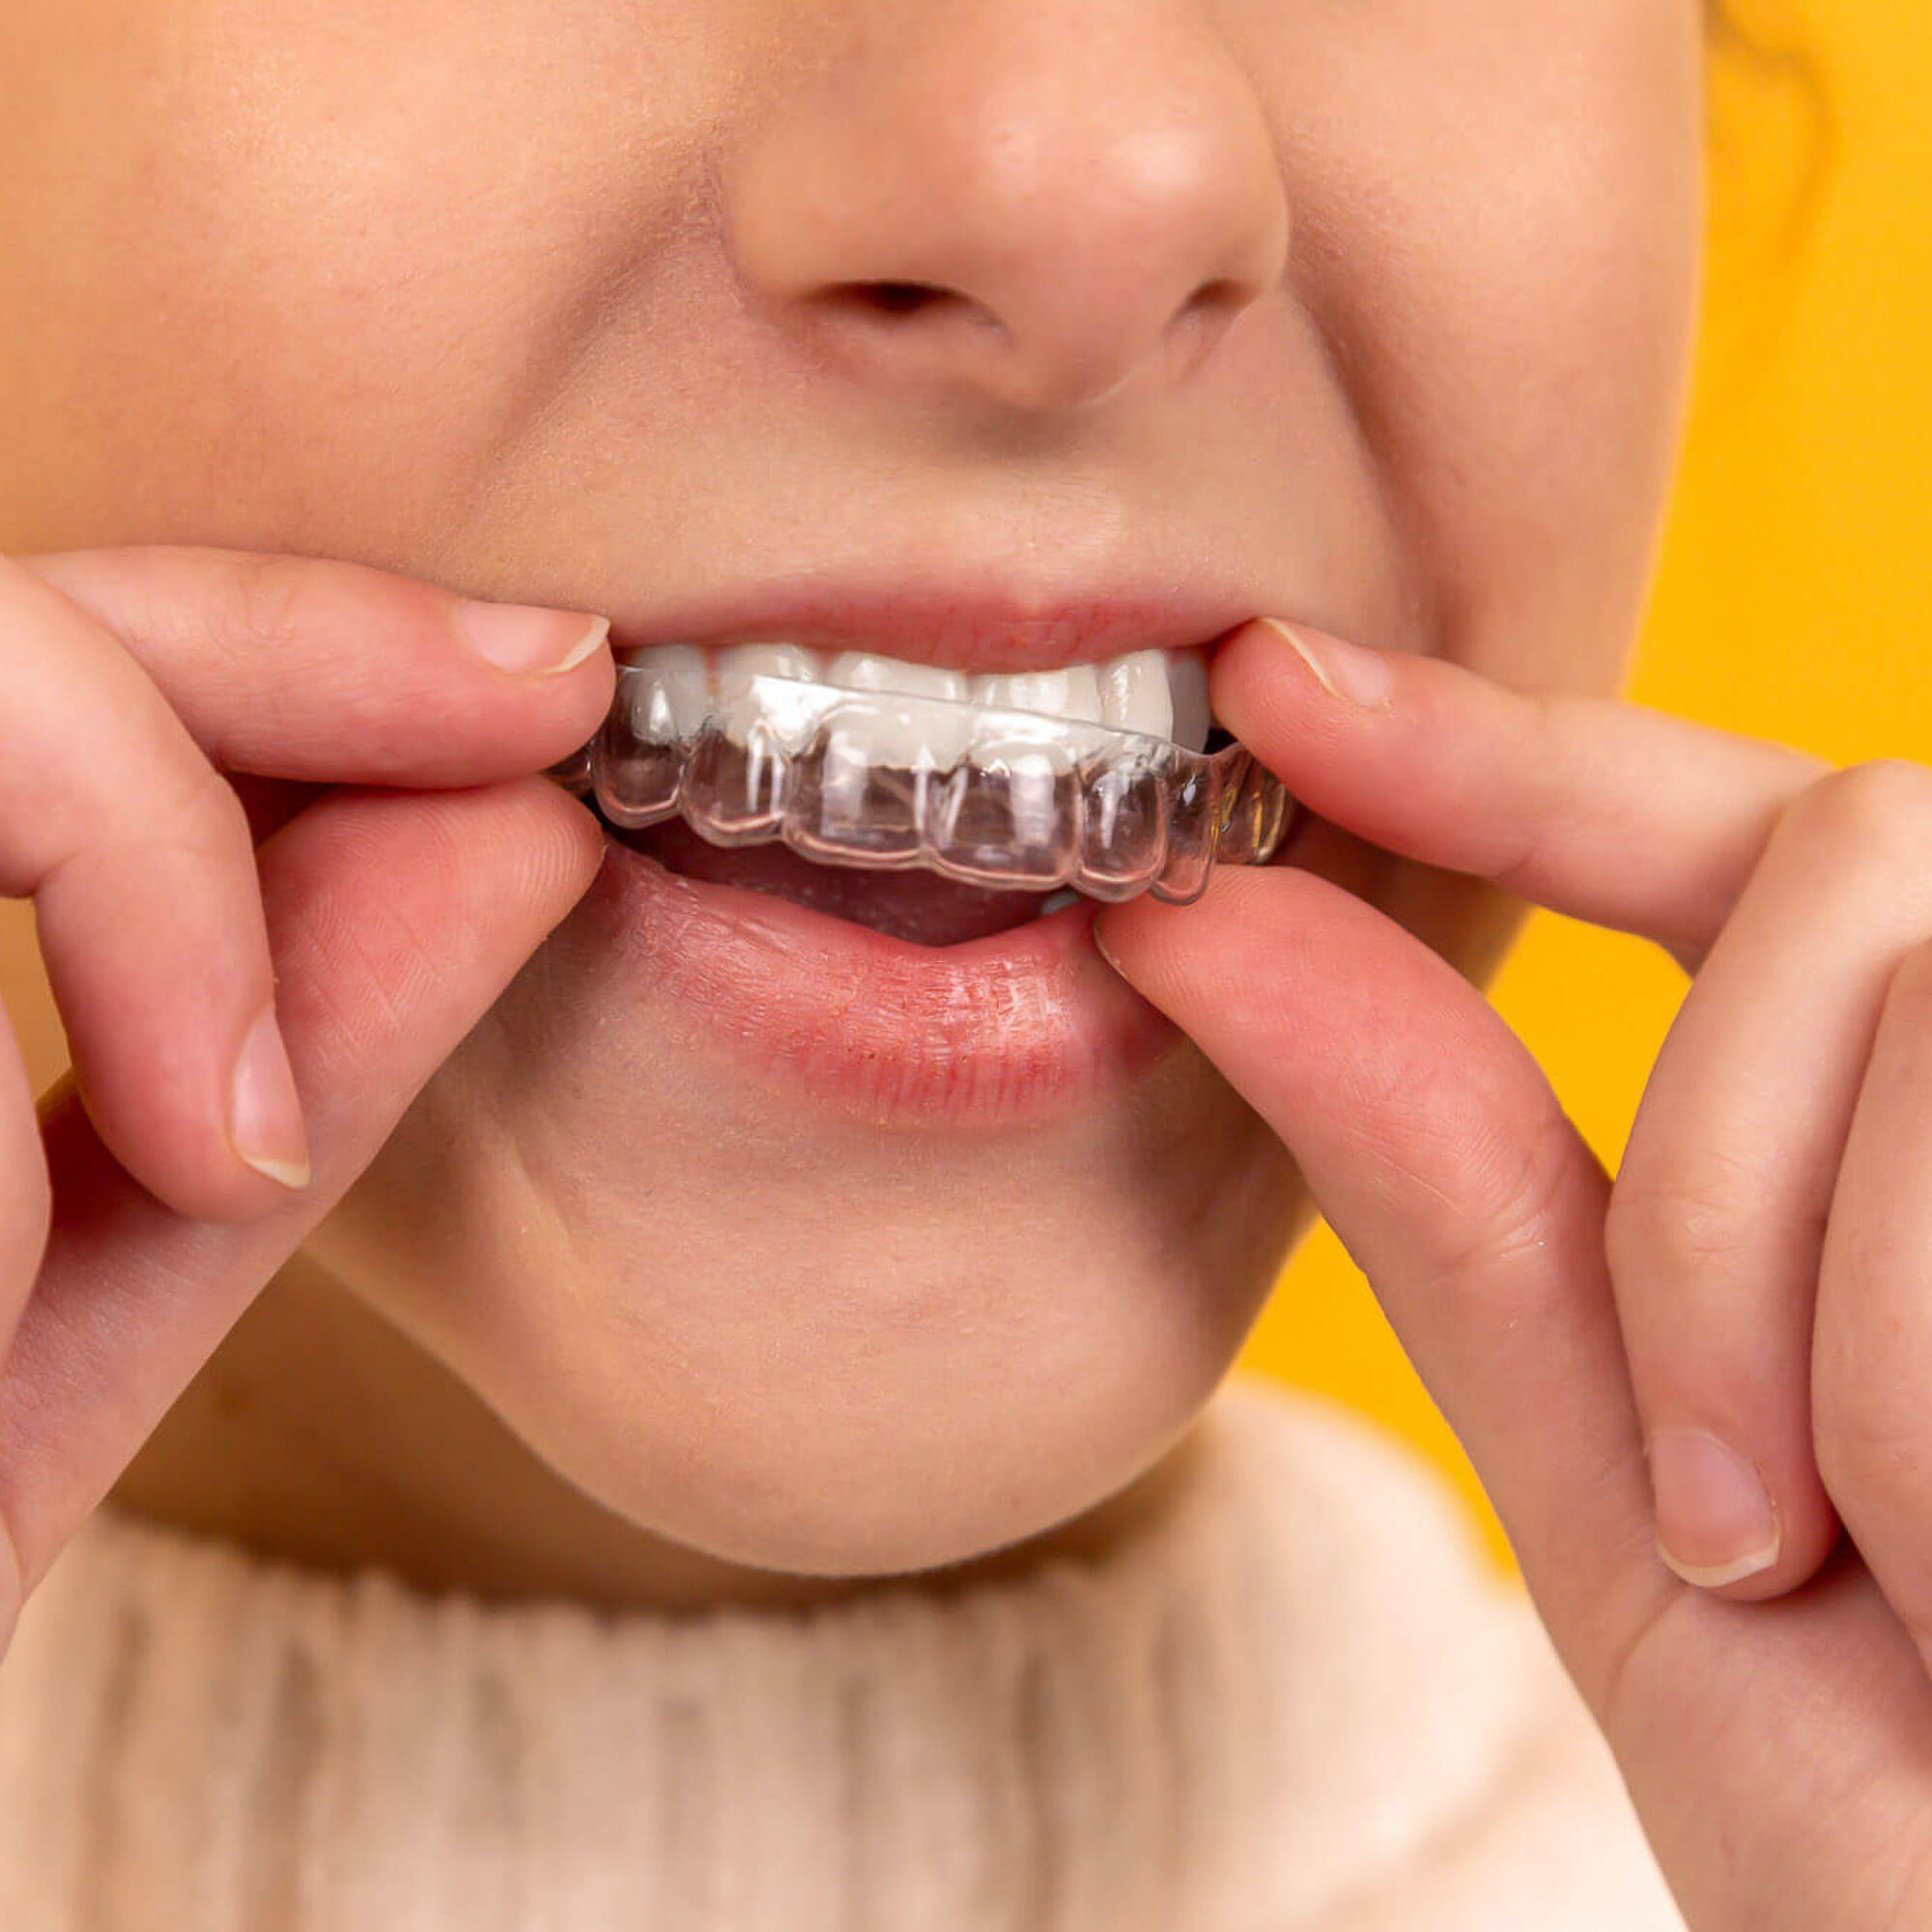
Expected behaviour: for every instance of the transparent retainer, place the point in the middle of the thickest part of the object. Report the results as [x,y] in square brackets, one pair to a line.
[890,781]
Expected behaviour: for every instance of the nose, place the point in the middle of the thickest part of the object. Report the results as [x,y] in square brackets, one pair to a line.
[1037,201]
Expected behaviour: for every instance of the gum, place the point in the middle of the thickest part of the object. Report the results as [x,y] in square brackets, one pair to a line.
[1015,800]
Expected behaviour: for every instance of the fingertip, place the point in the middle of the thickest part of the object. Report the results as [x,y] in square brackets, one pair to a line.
[560,708]
[1348,674]
[1751,1578]
[191,1159]
[510,687]
[265,1118]
[1730,1525]
[527,640]
[1221,967]
[1106,951]
[1153,946]
[567,842]
[1120,932]
[1287,691]
[478,875]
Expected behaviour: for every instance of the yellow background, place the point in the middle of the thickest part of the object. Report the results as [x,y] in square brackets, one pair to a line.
[1794,598]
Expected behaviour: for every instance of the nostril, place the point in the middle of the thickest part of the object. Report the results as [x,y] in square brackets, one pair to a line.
[891,297]
[1221,297]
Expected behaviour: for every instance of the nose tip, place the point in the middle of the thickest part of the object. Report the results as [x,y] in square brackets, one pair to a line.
[1038,231]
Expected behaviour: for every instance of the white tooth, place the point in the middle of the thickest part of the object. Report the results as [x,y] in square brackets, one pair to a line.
[1187,687]
[866,670]
[1083,693]
[769,661]
[792,717]
[1134,694]
[681,672]
[909,734]
[904,733]
[1073,691]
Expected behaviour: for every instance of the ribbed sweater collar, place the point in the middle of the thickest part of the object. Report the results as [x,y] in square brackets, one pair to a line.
[1202,1730]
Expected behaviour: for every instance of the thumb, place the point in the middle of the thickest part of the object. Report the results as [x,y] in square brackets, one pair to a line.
[394,921]
[1433,1144]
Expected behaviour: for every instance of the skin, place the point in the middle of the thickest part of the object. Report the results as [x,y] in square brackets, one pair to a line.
[1421,404]
[1770,1728]
[1377,319]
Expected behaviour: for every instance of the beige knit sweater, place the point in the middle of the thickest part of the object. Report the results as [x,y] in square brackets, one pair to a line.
[1297,1702]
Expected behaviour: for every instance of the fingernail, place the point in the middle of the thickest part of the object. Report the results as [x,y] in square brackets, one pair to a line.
[1100,946]
[1344,670]
[1715,1523]
[264,1119]
[528,641]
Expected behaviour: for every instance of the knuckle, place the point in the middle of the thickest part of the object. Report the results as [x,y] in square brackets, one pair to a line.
[1507,1234]
[1689,1224]
[201,815]
[1882,808]
[292,603]
[1545,816]
[268,596]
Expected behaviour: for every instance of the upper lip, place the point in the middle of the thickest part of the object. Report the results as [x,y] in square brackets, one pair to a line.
[960,627]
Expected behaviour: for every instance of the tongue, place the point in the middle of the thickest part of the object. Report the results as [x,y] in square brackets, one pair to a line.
[918,906]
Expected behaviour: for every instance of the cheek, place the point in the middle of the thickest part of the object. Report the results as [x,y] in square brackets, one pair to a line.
[1499,223]
[820,1353]
[248,245]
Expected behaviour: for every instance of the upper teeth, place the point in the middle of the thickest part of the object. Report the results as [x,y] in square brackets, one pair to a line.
[1158,693]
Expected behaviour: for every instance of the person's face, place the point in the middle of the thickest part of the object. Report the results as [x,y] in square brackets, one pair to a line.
[1377,317]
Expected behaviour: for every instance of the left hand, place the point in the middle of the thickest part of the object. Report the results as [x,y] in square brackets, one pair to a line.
[1745,1315]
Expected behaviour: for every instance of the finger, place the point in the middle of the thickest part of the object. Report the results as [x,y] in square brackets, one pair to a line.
[1716,1226]
[396,921]
[1592,807]
[1431,1142]
[1873,1358]
[139,860]
[301,668]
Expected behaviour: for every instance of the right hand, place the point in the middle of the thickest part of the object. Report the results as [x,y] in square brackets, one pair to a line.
[1757,1272]
[342,961]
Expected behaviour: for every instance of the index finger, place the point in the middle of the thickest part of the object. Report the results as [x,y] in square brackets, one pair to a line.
[1591,806]
[309,669]
[1431,1142]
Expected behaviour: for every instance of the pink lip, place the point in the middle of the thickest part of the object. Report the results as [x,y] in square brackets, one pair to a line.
[1011,1026]
[961,627]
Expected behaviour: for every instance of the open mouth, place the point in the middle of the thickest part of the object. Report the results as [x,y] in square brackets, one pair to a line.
[921,802]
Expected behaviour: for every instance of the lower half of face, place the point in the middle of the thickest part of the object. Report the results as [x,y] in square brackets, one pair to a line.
[757,1315]
[811,1248]
[833,1254]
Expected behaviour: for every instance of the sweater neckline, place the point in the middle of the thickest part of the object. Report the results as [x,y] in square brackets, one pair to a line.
[1196,1722]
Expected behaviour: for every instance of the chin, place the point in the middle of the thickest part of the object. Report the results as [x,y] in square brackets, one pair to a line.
[800,1334]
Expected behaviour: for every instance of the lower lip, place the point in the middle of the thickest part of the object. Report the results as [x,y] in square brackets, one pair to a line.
[1021,1023]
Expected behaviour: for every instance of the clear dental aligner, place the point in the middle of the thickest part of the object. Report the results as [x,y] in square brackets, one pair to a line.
[1093,776]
